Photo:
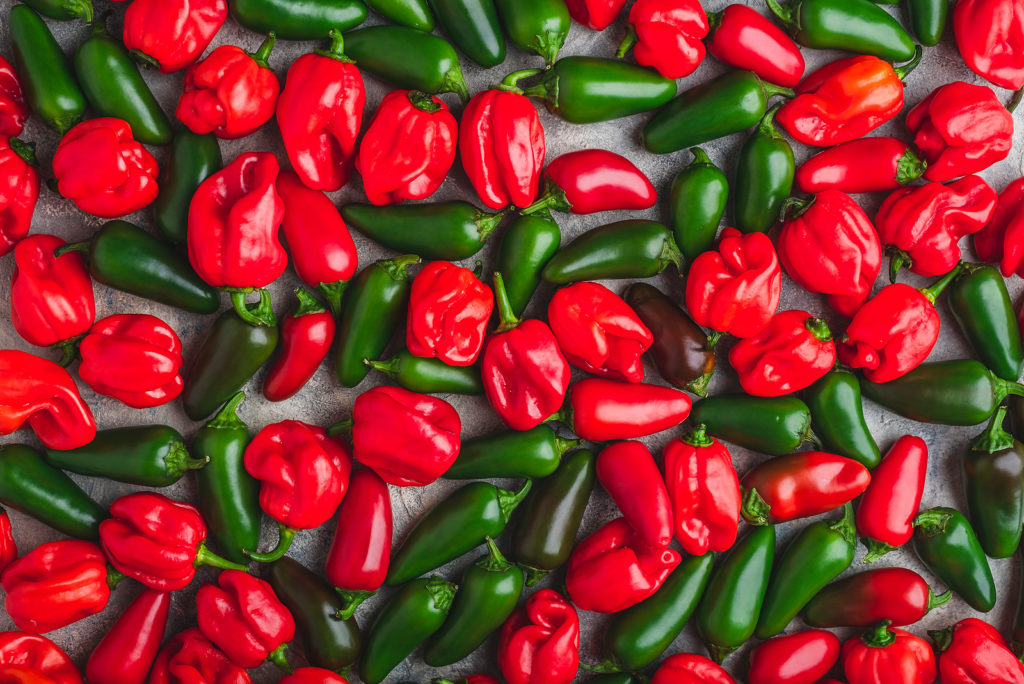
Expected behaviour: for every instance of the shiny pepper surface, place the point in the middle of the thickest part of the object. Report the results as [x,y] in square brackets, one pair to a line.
[1002,240]
[13,112]
[990,37]
[306,336]
[589,181]
[689,668]
[190,658]
[888,655]
[409,148]
[51,296]
[668,35]
[19,190]
[960,128]
[628,473]
[797,658]
[540,642]
[879,164]
[801,485]
[102,169]
[974,652]
[744,38]
[125,655]
[595,14]
[171,34]
[29,654]
[449,308]
[8,549]
[792,353]
[41,393]
[600,410]
[885,515]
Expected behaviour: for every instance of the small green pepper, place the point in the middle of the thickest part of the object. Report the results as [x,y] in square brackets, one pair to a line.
[993,473]
[63,10]
[298,19]
[532,453]
[945,542]
[526,247]
[193,159]
[627,249]
[837,414]
[981,306]
[927,19]
[412,13]
[698,198]
[408,58]
[539,26]
[764,177]
[473,26]
[856,25]
[429,375]
[770,425]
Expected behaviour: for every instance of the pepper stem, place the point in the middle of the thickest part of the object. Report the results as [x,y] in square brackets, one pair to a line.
[425,102]
[178,460]
[100,25]
[144,60]
[700,385]
[308,304]
[910,167]
[562,445]
[994,438]
[671,253]
[493,561]
[333,293]
[511,82]
[81,9]
[936,600]
[876,549]
[897,260]
[442,592]
[700,157]
[719,653]
[68,351]
[533,575]
[628,42]
[350,601]
[508,500]
[1014,388]
[454,82]
[259,314]
[337,49]
[114,577]
[933,291]
[397,268]
[284,541]
[942,638]
[554,199]
[933,521]
[279,656]
[25,150]
[228,418]
[904,70]
[388,368]
[604,667]
[1018,95]
[698,437]
[879,637]
[262,53]
[82,246]
[818,329]
[786,15]
[771,90]
[786,211]
[206,557]
[487,223]
[505,313]
[342,427]
[755,509]
[845,526]
[713,337]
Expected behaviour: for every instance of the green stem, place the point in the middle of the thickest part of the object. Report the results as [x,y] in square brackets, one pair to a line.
[25,150]
[261,314]
[767,126]
[308,304]
[206,557]
[771,90]
[442,592]
[700,157]
[933,291]
[605,667]
[505,312]
[936,600]
[562,444]
[879,637]
[1018,95]
[845,526]
[897,260]
[755,509]
[698,437]
[786,15]
[1014,388]
[68,351]
[719,653]
[508,500]
[425,102]
[713,337]
[511,82]
[628,42]
[337,48]
[82,246]
[144,60]
[487,223]
[903,71]
[994,438]
[178,460]
[910,167]
[341,428]
[801,205]
[700,385]
[284,541]
[818,329]
[350,601]
[228,418]
[388,368]
[494,561]
[279,656]
[876,549]
[533,575]
[942,638]
[933,521]
[333,293]
[398,268]
[262,54]
[114,577]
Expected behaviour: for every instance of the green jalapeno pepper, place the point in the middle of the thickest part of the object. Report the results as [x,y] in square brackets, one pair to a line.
[698,198]
[946,543]
[927,19]
[770,425]
[837,414]
[981,305]
[449,231]
[634,248]
[298,19]
[412,13]
[193,159]
[993,473]
[856,25]
[539,26]
[429,375]
[531,453]
[472,25]
[63,10]
[526,247]
[764,177]
[408,58]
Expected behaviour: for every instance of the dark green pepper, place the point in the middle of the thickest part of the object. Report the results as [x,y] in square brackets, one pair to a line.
[412,13]
[698,198]
[769,425]
[527,246]
[633,248]
[449,231]
[927,19]
[837,414]
[539,26]
[993,472]
[473,26]
[531,453]
[429,375]
[764,177]
[298,19]
[408,58]
[193,159]
[63,10]
[947,545]
[855,25]
[981,305]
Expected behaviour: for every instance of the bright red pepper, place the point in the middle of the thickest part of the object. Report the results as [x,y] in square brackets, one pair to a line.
[190,658]
[888,655]
[408,149]
[735,289]
[31,654]
[789,355]
[865,165]
[744,38]
[8,549]
[306,336]
[801,485]
[41,393]
[540,642]
[974,652]
[55,584]
[408,439]
[231,93]
[886,513]
[13,112]
[667,35]
[312,675]
[319,115]
[1001,241]
[896,594]
[628,473]
[595,14]
[501,144]
[126,654]
[798,658]
[171,34]
[589,181]
[449,308]
[19,189]
[705,492]
[601,410]
[926,222]
[690,668]
[102,169]
[960,128]
[990,37]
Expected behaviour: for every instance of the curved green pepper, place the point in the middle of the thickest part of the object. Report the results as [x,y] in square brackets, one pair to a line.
[63,10]
[764,177]
[993,473]
[634,248]
[946,543]
[412,13]
[698,198]
[429,375]
[837,414]
[539,26]
[981,305]
[449,231]
[473,26]
[531,453]
[855,25]
[927,19]
[408,58]
[298,19]
[769,425]
[193,159]
[526,247]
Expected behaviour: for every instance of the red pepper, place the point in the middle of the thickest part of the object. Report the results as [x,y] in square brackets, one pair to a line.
[628,473]
[190,658]
[8,549]
[601,410]
[744,38]
[1001,241]
[801,485]
[231,93]
[589,181]
[791,354]
[312,675]
[19,188]
[55,584]
[408,439]
[171,34]
[41,393]
[319,115]
[886,513]
[667,35]
[126,654]
[798,658]
[243,617]
[974,652]
[33,655]
[690,668]
[448,313]
[960,128]
[306,337]
[735,289]
[102,169]
[990,37]
[595,14]
[896,594]
[599,332]
[925,223]
[501,143]
[134,358]
[408,149]
[705,493]
[13,112]
[864,165]
[540,642]
[888,655]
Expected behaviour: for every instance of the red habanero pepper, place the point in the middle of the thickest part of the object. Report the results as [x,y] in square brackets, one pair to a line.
[306,337]
[102,169]
[231,93]
[190,658]
[408,439]
[19,190]
[540,642]
[705,492]
[861,600]
[449,308]
[55,584]
[690,668]
[865,165]
[924,223]
[735,289]
[595,14]
[589,181]
[41,393]
[960,128]
[667,36]
[599,332]
[974,652]
[13,112]
[126,654]
[798,658]
[408,149]
[628,473]
[888,655]
[171,34]
[1001,241]
[312,675]
[791,354]
[990,37]
[8,549]
[30,654]
[801,485]
[501,144]
[319,115]
[601,410]
[885,516]
[744,38]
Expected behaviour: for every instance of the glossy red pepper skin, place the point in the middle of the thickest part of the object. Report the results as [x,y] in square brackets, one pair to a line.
[878,164]
[628,473]
[1001,241]
[51,297]
[408,149]
[744,38]
[127,652]
[306,336]
[37,391]
[790,354]
[595,14]
[312,675]
[8,549]
[861,600]
[888,655]
[190,658]
[408,439]
[170,35]
[55,584]
[540,642]
[798,658]
[360,552]
[502,147]
[960,128]
[19,188]
[997,52]
[885,516]
[102,169]
[13,112]
[39,656]
[974,652]
[449,308]
[801,485]
[602,410]
[668,36]
[590,181]
[690,668]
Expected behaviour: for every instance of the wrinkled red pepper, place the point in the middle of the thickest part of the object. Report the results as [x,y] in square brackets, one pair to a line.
[865,165]
[628,473]
[589,181]
[8,549]
[690,668]
[127,652]
[801,485]
[990,37]
[448,313]
[19,190]
[13,112]
[31,654]
[885,516]
[1001,241]
[408,439]
[595,14]
[540,642]
[735,289]
[601,410]
[306,336]
[319,115]
[667,35]
[974,652]
[231,93]
[888,655]
[744,38]
[798,658]
[171,34]
[408,149]
[190,658]
[312,675]
[791,354]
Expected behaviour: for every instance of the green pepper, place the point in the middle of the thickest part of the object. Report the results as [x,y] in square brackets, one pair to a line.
[449,231]
[193,159]
[472,25]
[981,305]
[412,615]
[458,523]
[545,527]
[729,611]
[127,258]
[993,474]
[855,25]
[764,177]
[412,13]
[31,485]
[298,19]
[327,641]
[63,10]
[634,248]
[228,495]
[408,58]
[47,81]
[372,310]
[114,87]
[539,26]
[698,198]
[927,19]
[769,425]
[837,414]
[229,356]
[526,247]
[947,545]
[733,102]
[429,375]
[531,453]
[488,594]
